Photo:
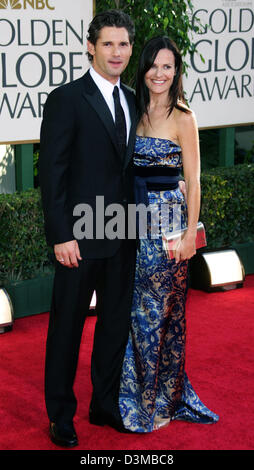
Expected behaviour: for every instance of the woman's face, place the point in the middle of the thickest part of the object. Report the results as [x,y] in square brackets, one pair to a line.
[160,76]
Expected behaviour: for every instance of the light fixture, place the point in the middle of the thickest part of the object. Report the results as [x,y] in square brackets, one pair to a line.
[217,270]
[6,312]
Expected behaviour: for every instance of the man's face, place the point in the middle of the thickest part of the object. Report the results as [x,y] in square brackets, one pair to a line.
[111,53]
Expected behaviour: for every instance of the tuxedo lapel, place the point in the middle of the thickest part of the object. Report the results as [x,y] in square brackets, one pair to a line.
[95,98]
[133,116]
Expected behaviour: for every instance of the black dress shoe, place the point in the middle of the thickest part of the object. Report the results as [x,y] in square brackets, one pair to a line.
[64,435]
[100,419]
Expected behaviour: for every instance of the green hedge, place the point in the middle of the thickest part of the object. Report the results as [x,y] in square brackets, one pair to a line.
[23,249]
[226,210]
[227,205]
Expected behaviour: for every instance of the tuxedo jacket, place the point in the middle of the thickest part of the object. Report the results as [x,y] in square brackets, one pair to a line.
[80,159]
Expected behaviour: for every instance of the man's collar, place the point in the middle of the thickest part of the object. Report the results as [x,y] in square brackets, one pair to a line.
[101,82]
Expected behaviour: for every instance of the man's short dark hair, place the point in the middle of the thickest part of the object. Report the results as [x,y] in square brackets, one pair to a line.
[116,18]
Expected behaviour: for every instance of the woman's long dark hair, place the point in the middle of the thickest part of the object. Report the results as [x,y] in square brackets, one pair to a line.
[147,58]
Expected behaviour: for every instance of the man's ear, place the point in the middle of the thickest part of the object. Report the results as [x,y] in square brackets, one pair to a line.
[90,48]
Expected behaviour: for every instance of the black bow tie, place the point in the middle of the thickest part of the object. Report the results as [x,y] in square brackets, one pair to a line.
[120,122]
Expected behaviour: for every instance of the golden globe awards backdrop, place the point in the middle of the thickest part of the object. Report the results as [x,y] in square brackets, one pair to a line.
[220,87]
[42,46]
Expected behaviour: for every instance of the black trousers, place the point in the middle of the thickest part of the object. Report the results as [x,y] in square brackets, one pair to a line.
[112,279]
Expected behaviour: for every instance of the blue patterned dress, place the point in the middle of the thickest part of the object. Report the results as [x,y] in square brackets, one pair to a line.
[154,388]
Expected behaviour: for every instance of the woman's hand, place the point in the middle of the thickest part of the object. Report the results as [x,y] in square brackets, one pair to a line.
[186,248]
[182,187]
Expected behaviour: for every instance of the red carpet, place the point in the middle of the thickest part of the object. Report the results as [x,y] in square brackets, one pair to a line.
[219,363]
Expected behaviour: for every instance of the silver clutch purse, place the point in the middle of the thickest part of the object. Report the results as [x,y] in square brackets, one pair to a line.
[171,241]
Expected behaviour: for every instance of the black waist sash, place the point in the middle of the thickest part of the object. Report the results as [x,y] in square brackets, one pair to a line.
[154,178]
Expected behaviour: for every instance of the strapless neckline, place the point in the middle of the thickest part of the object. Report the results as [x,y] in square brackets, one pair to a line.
[157,138]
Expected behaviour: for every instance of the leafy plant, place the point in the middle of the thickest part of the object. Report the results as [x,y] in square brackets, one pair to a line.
[227,199]
[36,161]
[23,250]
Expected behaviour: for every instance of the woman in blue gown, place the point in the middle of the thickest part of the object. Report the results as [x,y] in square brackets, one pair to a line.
[154,387]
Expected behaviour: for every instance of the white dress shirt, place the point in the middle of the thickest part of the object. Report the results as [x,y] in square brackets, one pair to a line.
[107,88]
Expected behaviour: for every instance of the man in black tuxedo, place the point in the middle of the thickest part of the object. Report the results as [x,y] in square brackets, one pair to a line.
[86,151]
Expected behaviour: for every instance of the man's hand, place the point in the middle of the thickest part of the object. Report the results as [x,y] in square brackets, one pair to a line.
[68,253]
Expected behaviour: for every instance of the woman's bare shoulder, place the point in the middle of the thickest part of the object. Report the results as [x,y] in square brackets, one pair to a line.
[184,118]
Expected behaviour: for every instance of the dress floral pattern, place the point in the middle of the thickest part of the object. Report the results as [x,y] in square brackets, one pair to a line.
[154,387]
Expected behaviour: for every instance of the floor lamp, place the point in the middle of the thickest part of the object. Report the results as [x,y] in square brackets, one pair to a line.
[6,312]
[217,270]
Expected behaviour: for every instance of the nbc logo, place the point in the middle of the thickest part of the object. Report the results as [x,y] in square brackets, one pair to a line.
[15,4]
[18,4]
